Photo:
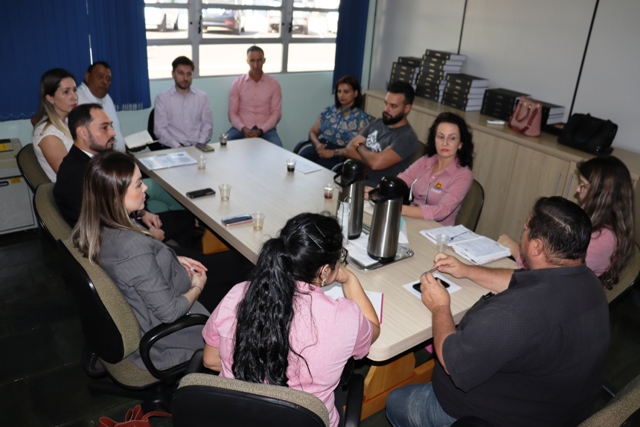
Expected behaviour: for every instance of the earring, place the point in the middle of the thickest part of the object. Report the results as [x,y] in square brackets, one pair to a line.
[324,281]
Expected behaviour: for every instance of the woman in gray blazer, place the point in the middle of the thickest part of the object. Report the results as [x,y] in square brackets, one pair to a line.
[160,286]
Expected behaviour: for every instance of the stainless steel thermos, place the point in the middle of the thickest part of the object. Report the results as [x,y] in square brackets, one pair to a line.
[387,211]
[351,182]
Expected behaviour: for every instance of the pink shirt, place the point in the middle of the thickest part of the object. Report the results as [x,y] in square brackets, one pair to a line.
[438,195]
[255,103]
[326,332]
[602,245]
[182,119]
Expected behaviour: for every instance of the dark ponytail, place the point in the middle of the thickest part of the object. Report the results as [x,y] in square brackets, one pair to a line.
[306,243]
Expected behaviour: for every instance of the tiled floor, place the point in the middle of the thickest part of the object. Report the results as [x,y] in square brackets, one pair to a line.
[43,384]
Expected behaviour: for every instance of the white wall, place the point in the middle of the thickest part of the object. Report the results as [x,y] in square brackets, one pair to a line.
[535,47]
[304,96]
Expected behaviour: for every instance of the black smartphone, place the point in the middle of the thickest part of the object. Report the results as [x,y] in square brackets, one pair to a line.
[416,286]
[204,147]
[236,220]
[200,193]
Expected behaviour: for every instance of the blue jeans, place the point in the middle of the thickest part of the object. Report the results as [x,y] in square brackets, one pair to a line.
[416,406]
[270,135]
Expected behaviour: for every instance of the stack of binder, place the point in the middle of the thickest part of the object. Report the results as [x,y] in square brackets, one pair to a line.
[434,67]
[405,70]
[464,92]
[551,113]
[500,103]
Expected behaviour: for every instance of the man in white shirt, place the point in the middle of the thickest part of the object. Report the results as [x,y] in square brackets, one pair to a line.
[95,90]
[182,114]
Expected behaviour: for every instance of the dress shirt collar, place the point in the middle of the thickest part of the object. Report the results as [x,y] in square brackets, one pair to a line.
[449,170]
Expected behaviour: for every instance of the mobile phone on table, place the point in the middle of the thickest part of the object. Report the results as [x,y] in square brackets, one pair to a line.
[204,147]
[416,286]
[236,220]
[201,193]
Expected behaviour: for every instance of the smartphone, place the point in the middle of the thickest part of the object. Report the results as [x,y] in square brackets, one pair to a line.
[235,220]
[416,286]
[203,146]
[200,193]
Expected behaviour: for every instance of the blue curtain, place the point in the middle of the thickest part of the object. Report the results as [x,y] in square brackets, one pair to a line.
[35,36]
[352,29]
[118,37]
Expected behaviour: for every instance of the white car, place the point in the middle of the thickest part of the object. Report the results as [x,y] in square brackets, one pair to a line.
[160,19]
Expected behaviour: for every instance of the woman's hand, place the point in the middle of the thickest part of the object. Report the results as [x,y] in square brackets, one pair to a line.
[150,220]
[514,247]
[366,191]
[326,154]
[191,265]
[157,233]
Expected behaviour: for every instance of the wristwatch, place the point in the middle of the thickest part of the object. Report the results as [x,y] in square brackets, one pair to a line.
[336,152]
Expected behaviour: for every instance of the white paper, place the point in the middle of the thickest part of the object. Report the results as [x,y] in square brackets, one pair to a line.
[136,140]
[358,250]
[469,245]
[453,287]
[170,160]
[307,167]
[377,298]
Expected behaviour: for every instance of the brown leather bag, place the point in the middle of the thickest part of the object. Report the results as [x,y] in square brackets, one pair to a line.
[527,117]
[134,418]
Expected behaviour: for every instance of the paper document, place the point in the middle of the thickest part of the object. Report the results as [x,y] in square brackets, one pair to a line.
[137,140]
[453,287]
[307,167]
[469,245]
[377,298]
[170,160]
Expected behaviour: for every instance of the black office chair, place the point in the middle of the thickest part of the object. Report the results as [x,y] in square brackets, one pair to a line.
[301,145]
[471,208]
[30,168]
[112,333]
[236,403]
[150,126]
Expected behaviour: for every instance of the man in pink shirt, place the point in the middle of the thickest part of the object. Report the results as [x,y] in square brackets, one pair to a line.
[255,102]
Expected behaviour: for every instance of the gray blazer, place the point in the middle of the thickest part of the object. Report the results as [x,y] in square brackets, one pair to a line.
[152,280]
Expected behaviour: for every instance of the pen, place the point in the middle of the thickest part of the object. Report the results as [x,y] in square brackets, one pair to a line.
[458,235]
[433,270]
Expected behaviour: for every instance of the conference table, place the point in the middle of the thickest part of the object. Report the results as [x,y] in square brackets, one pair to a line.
[257,173]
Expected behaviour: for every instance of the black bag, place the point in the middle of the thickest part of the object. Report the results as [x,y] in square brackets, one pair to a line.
[589,134]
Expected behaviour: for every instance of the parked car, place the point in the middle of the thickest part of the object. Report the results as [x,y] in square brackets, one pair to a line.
[223,18]
[160,19]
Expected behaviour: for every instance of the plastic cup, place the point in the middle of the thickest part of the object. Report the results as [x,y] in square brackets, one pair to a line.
[441,242]
[202,162]
[258,220]
[328,191]
[291,165]
[225,191]
[223,139]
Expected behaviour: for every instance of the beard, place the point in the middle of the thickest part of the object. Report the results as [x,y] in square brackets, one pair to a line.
[392,120]
[94,146]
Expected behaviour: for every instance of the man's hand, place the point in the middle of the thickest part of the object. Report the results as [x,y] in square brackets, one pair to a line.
[150,220]
[450,265]
[434,295]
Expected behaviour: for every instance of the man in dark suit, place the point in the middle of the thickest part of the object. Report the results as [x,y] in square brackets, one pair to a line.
[92,132]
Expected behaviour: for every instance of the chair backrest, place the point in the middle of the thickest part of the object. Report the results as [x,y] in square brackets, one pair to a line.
[111,330]
[471,208]
[203,400]
[151,123]
[30,168]
[623,406]
[49,217]
[628,277]
[420,151]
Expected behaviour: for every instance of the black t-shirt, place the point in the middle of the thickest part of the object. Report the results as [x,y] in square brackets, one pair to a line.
[532,355]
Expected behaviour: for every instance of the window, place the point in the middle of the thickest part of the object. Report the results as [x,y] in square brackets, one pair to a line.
[296,35]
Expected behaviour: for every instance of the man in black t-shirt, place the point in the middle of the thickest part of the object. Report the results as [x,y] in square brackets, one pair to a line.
[530,355]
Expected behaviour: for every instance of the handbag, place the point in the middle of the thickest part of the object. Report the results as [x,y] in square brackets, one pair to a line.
[588,133]
[527,117]
[134,418]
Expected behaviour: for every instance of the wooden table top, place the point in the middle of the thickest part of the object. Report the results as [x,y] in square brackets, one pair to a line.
[257,172]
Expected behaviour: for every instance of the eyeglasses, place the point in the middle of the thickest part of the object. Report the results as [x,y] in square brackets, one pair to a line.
[584,186]
[343,256]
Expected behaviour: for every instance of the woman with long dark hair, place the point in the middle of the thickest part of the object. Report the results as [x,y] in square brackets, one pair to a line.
[337,124]
[160,286]
[280,328]
[605,192]
[441,178]
[51,136]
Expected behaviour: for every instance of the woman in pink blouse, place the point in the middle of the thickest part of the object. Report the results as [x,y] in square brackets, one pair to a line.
[280,328]
[605,193]
[441,179]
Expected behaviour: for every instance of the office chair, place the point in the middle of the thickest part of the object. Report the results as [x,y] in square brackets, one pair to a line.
[203,400]
[627,279]
[301,145]
[469,213]
[112,333]
[49,217]
[150,125]
[29,167]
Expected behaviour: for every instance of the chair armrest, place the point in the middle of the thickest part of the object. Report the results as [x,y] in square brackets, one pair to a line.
[300,145]
[354,401]
[471,421]
[155,334]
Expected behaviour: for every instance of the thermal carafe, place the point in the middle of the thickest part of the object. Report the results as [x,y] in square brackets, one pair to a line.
[351,182]
[387,212]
